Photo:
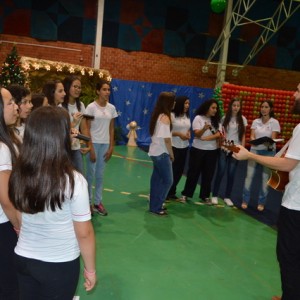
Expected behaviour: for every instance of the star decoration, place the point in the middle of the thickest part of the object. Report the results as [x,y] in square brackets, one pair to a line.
[100,75]
[145,111]
[59,68]
[119,113]
[109,78]
[149,94]
[115,88]
[47,67]
[82,71]
[127,102]
[71,70]
[91,72]
[201,95]
[36,66]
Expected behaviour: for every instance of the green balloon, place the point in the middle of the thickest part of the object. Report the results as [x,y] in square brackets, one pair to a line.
[218,6]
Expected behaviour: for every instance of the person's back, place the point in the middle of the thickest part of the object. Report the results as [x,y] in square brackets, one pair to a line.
[53,200]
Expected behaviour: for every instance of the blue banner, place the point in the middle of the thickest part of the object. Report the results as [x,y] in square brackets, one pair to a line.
[135,100]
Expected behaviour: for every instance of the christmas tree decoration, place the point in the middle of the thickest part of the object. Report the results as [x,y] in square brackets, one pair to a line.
[11,70]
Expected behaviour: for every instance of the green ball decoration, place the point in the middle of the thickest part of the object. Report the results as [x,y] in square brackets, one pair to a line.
[218,6]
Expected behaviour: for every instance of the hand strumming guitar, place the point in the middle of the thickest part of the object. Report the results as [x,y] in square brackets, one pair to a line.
[242,154]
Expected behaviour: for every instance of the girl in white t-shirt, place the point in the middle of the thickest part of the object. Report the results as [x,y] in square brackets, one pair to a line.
[76,109]
[101,129]
[265,125]
[53,199]
[181,134]
[234,129]
[9,218]
[204,151]
[161,152]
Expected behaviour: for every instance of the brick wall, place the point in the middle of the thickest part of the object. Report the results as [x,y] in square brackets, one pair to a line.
[149,67]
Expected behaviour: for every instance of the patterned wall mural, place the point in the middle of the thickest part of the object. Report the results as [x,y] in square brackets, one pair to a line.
[172,27]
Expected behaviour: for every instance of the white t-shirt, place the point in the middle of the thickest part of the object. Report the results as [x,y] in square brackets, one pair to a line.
[264,129]
[232,129]
[199,123]
[72,108]
[291,199]
[162,131]
[5,164]
[50,236]
[100,125]
[180,124]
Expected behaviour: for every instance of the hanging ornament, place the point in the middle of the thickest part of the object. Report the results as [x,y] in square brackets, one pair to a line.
[218,6]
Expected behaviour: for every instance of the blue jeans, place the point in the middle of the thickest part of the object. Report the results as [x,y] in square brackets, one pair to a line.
[77,160]
[252,170]
[161,181]
[225,163]
[95,170]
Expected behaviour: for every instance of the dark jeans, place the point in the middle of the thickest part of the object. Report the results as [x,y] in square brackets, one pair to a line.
[200,162]
[225,163]
[8,275]
[178,167]
[161,181]
[41,280]
[288,252]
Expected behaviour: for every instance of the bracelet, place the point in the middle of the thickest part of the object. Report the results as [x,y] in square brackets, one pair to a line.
[89,273]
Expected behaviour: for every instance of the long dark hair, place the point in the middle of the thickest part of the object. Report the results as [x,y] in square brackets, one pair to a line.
[100,83]
[271,104]
[164,105]
[44,168]
[239,118]
[7,135]
[67,82]
[178,109]
[204,108]
[18,92]
[49,90]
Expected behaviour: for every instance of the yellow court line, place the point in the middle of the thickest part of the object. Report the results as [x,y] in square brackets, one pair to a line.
[133,159]
[144,196]
[125,193]
[108,190]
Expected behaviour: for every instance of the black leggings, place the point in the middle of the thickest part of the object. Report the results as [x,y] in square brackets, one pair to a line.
[8,274]
[41,280]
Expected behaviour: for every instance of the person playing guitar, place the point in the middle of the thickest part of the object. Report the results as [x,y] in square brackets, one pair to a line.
[288,237]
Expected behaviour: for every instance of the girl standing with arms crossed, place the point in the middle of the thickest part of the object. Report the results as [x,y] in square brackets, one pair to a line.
[102,134]
[234,129]
[181,134]
[265,125]
[161,152]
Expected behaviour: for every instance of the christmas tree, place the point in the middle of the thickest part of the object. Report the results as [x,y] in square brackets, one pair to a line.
[11,71]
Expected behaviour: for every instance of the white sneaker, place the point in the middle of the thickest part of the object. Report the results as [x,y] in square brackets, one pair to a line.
[228,202]
[183,199]
[214,200]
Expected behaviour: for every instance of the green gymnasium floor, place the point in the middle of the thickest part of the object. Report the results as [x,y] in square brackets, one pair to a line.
[195,253]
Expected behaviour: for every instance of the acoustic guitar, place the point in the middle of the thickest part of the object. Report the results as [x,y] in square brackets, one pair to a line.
[228,147]
[278,180]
